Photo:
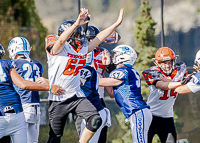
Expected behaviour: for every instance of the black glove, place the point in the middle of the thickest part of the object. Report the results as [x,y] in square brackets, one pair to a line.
[186,79]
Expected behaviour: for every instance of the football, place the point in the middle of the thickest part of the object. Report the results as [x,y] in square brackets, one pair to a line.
[113,38]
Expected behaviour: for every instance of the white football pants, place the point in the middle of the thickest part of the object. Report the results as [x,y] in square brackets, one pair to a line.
[106,121]
[140,122]
[32,116]
[14,125]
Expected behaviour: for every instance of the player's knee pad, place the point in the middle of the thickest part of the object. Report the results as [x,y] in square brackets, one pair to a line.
[94,122]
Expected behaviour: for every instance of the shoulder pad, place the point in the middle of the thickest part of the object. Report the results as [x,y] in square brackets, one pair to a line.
[50,40]
[151,75]
[181,66]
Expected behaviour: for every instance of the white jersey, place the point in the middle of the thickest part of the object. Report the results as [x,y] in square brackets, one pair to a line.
[63,68]
[161,102]
[100,68]
[194,84]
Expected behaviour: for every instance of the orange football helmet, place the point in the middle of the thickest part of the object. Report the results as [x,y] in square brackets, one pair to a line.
[165,54]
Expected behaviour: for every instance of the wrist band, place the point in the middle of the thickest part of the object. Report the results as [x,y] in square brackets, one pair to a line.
[75,25]
[49,87]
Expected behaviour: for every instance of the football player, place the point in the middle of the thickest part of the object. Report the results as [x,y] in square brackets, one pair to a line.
[12,120]
[125,86]
[92,31]
[89,85]
[19,49]
[5,139]
[66,55]
[162,95]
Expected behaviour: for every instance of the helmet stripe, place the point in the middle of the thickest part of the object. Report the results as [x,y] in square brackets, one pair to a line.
[24,43]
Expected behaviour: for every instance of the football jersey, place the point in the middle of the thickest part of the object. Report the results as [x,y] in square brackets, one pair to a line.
[162,101]
[63,68]
[100,68]
[30,70]
[128,94]
[194,84]
[89,86]
[9,98]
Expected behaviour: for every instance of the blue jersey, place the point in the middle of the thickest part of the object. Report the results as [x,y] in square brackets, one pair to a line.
[9,98]
[29,70]
[89,86]
[128,93]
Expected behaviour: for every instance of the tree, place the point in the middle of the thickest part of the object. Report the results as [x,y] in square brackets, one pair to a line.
[145,42]
[20,18]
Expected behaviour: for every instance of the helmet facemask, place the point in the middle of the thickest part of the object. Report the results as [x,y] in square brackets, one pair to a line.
[165,54]
[76,40]
[169,71]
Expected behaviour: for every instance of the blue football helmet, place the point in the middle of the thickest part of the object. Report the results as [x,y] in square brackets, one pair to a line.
[92,31]
[2,51]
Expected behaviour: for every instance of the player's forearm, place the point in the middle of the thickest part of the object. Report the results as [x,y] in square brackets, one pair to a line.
[58,46]
[110,91]
[29,85]
[109,82]
[24,84]
[101,36]
[183,89]
[173,85]
[167,85]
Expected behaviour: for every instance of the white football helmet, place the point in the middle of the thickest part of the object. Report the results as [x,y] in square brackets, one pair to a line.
[197,58]
[18,45]
[124,54]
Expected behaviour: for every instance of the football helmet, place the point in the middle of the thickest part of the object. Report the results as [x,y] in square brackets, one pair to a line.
[91,32]
[124,54]
[165,54]
[18,45]
[79,32]
[2,51]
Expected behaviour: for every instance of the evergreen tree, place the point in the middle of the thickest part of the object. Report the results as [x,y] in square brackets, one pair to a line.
[20,18]
[145,42]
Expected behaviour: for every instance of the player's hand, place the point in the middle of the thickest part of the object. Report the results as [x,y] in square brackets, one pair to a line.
[186,79]
[165,78]
[105,58]
[82,16]
[196,68]
[56,89]
[42,80]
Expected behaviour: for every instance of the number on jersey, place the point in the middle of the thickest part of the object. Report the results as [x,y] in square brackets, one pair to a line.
[29,70]
[73,66]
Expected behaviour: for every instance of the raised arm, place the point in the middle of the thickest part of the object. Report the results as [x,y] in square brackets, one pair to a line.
[59,45]
[101,36]
[33,86]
